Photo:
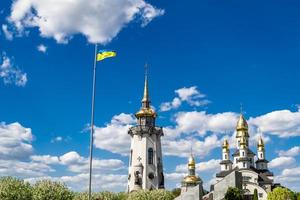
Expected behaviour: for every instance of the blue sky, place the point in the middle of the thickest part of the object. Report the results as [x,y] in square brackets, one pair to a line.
[216,55]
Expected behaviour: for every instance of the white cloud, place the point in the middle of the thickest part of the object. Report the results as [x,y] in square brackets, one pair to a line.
[99,20]
[290,178]
[190,95]
[8,34]
[182,147]
[282,162]
[79,182]
[206,166]
[113,137]
[166,106]
[295,151]
[23,169]
[282,123]
[15,141]
[57,139]
[42,48]
[10,73]
[46,159]
[201,122]
[78,164]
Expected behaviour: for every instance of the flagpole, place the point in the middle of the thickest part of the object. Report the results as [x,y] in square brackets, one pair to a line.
[92,123]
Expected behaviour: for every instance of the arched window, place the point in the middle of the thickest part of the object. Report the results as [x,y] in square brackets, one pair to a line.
[150,156]
[225,156]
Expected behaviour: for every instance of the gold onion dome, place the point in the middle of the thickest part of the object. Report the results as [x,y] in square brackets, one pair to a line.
[191,162]
[225,144]
[242,123]
[146,110]
[242,127]
[191,179]
[260,143]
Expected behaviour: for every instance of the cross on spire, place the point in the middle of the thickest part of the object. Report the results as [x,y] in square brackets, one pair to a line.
[241,109]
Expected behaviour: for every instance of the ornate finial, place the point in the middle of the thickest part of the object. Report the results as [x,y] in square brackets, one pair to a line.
[192,163]
[260,143]
[241,109]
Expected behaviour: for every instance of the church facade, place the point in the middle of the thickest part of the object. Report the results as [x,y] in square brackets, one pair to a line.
[243,170]
[145,161]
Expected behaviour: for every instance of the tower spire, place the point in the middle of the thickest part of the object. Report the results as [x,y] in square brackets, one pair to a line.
[146,99]
[146,110]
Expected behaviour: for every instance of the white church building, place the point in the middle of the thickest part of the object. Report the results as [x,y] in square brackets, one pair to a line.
[243,171]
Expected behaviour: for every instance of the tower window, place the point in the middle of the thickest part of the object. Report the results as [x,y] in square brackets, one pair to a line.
[130,157]
[261,155]
[225,156]
[243,153]
[244,164]
[150,156]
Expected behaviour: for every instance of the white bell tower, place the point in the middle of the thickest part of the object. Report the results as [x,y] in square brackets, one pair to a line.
[145,161]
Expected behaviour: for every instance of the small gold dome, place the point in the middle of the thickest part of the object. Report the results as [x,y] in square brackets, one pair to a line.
[260,143]
[242,124]
[191,179]
[225,144]
[191,162]
[146,112]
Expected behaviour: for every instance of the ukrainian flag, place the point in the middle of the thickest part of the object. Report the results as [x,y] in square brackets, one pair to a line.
[102,54]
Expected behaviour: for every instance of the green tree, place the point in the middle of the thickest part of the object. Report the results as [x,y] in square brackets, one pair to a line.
[176,192]
[13,188]
[101,195]
[281,194]
[233,194]
[48,190]
[255,196]
[151,195]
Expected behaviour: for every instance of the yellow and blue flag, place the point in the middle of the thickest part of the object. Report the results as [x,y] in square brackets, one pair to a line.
[102,54]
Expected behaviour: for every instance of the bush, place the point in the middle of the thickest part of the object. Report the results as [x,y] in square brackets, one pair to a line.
[101,195]
[176,192]
[12,188]
[151,195]
[47,190]
[233,194]
[255,196]
[281,194]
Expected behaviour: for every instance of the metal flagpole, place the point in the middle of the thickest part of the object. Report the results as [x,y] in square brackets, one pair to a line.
[92,123]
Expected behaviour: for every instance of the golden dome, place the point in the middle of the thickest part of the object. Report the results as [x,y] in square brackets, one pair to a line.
[146,112]
[225,144]
[260,143]
[191,162]
[242,124]
[191,179]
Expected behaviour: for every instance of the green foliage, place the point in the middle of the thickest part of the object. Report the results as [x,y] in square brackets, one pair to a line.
[281,194]
[47,190]
[255,195]
[176,192]
[102,196]
[12,188]
[151,195]
[233,194]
